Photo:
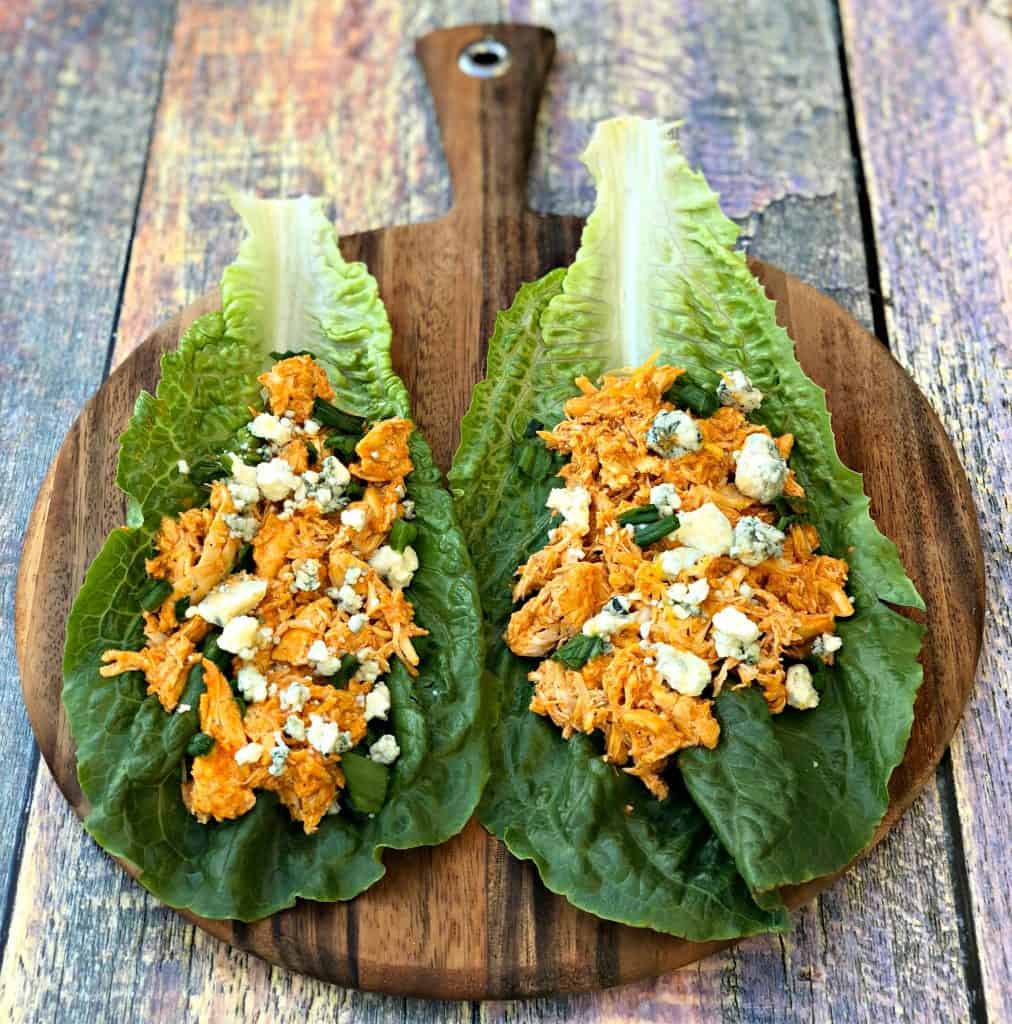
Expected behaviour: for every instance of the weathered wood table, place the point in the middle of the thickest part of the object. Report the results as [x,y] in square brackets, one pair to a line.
[865,148]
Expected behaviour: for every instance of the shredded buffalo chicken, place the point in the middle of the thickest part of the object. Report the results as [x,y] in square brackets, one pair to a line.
[321,589]
[628,690]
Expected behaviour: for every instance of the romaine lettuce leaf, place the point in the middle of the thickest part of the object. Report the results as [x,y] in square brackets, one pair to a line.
[552,801]
[656,273]
[289,290]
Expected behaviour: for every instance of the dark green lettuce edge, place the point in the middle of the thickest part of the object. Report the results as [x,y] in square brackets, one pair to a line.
[130,752]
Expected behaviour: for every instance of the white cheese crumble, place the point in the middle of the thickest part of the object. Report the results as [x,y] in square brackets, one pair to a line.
[681,670]
[408,509]
[735,389]
[357,621]
[761,471]
[249,754]
[354,518]
[754,541]
[665,497]
[295,728]
[687,597]
[252,684]
[673,561]
[276,479]
[385,750]
[396,567]
[235,596]
[369,669]
[801,693]
[736,636]
[279,756]
[240,635]
[826,645]
[307,576]
[326,737]
[612,617]
[573,504]
[270,428]
[674,433]
[323,659]
[311,427]
[242,485]
[181,709]
[377,702]
[348,600]
[242,527]
[706,529]
[293,697]
[184,467]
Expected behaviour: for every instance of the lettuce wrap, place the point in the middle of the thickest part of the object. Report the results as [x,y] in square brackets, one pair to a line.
[781,799]
[289,291]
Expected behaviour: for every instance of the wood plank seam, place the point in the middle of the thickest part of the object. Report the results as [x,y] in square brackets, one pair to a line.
[875,296]
[14,874]
[972,970]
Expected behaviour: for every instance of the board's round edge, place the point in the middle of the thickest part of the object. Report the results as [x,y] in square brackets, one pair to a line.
[453,983]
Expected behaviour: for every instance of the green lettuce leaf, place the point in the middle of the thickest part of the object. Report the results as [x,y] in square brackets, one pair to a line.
[289,290]
[790,797]
[550,801]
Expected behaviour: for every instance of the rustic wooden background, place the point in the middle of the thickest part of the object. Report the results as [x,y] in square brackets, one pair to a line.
[863,146]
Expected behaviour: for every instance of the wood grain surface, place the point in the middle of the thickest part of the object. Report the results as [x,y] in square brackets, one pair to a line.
[325,97]
[937,129]
[467,921]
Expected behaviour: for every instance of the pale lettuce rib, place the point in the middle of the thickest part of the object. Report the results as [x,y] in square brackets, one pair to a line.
[290,289]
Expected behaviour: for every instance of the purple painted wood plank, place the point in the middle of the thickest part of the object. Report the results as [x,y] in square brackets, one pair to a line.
[935,129]
[78,88]
[760,89]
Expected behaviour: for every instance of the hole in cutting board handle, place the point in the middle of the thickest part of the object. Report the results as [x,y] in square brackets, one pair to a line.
[485,58]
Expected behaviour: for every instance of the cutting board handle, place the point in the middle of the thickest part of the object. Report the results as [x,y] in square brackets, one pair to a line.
[486,83]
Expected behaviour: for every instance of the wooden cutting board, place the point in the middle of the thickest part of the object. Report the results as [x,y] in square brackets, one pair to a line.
[465,920]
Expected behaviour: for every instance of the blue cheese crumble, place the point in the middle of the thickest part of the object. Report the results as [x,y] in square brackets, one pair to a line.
[674,433]
[761,471]
[755,541]
[736,390]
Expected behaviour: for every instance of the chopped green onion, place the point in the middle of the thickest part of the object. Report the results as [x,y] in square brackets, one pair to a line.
[154,594]
[650,533]
[207,470]
[532,428]
[402,534]
[366,782]
[342,445]
[686,393]
[639,515]
[330,416]
[278,356]
[349,666]
[578,650]
[354,489]
[200,744]
[788,515]
[180,608]
[244,552]
[214,654]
